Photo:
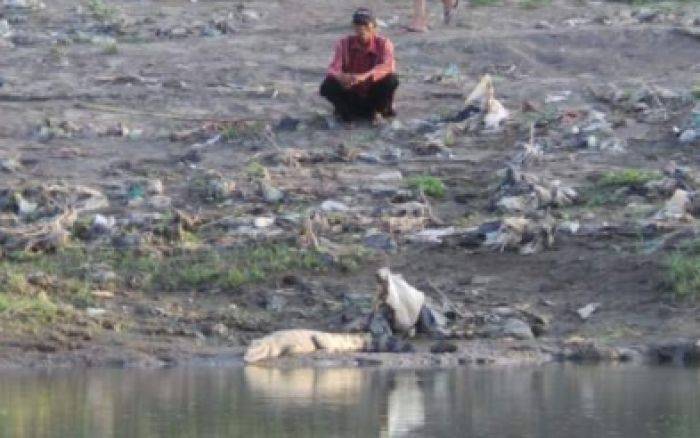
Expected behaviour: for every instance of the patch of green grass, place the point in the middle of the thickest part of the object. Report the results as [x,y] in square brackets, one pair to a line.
[230,270]
[534,4]
[683,275]
[39,308]
[609,189]
[110,49]
[183,270]
[429,185]
[256,170]
[484,2]
[101,10]
[696,91]
[635,178]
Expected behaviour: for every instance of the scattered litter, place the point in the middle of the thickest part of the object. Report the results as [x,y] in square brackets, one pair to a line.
[586,311]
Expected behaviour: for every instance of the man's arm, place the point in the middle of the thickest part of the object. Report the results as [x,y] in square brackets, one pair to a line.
[335,70]
[387,63]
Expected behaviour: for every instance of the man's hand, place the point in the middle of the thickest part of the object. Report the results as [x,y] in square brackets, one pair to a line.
[358,78]
[346,80]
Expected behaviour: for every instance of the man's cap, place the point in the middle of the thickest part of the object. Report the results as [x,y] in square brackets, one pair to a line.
[363,16]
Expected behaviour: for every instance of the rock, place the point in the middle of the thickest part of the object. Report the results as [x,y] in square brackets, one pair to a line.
[504,312]
[102,224]
[333,206]
[381,241]
[482,280]
[515,204]
[102,294]
[160,202]
[5,31]
[517,329]
[24,207]
[288,124]
[103,277]
[586,311]
[264,221]
[10,164]
[442,347]
[432,235]
[219,329]
[154,187]
[648,16]
[689,136]
[94,312]
[676,208]
[251,15]
[271,194]
[275,303]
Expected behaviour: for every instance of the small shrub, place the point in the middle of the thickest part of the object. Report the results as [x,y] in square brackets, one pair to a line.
[683,275]
[101,11]
[534,4]
[484,2]
[429,185]
[110,49]
[627,178]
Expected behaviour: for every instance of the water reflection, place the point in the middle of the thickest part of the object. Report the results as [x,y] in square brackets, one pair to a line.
[555,401]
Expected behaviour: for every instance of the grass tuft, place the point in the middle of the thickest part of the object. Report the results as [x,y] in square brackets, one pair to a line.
[429,185]
[635,178]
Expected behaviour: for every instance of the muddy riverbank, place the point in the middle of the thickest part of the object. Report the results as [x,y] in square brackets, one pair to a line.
[171,185]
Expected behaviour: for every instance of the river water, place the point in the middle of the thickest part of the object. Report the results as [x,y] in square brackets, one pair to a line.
[520,402]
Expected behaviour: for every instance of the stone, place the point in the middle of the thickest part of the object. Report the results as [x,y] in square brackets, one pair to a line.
[103,277]
[442,347]
[271,194]
[160,202]
[94,312]
[102,294]
[482,280]
[586,311]
[504,311]
[689,136]
[275,303]
[333,206]
[5,31]
[251,15]
[219,329]
[154,187]
[264,221]
[102,224]
[381,241]
[10,164]
[517,329]
[25,207]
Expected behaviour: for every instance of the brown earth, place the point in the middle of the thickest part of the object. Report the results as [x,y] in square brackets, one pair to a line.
[163,68]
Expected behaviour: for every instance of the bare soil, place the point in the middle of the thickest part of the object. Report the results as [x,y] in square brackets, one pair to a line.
[130,85]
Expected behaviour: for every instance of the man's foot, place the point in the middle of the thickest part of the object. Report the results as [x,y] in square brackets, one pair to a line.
[389,113]
[377,120]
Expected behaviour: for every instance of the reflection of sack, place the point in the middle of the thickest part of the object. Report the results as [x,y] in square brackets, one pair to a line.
[293,342]
[404,299]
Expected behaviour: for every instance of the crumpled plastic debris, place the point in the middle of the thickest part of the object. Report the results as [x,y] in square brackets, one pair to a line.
[404,300]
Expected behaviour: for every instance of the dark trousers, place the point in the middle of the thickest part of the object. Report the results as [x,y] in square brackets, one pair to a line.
[350,105]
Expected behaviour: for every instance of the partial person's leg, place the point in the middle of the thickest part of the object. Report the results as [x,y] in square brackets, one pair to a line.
[381,95]
[448,6]
[420,19]
[332,90]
